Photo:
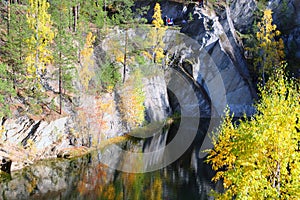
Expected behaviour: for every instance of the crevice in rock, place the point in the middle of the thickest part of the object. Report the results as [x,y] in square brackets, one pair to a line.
[31,133]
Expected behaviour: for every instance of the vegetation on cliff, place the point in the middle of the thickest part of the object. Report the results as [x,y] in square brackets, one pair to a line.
[259,157]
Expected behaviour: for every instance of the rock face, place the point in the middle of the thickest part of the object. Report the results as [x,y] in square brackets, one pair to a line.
[214,54]
[157,102]
[286,15]
[241,13]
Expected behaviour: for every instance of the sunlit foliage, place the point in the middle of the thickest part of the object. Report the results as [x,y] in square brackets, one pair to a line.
[86,61]
[39,54]
[269,51]
[132,100]
[156,34]
[157,20]
[259,158]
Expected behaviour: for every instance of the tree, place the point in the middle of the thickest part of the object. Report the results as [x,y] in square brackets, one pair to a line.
[109,76]
[86,61]
[259,157]
[39,54]
[64,49]
[269,53]
[14,49]
[6,90]
[132,100]
[156,35]
[124,17]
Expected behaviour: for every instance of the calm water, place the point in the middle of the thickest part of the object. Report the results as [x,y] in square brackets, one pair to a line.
[88,178]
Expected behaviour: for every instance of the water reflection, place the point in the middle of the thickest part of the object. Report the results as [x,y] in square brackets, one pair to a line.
[87,178]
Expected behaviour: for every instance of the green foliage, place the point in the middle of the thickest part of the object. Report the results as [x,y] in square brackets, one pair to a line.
[109,76]
[63,48]
[14,49]
[122,13]
[6,90]
[93,12]
[259,158]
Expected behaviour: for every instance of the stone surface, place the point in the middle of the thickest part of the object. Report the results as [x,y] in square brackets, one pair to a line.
[157,102]
[215,71]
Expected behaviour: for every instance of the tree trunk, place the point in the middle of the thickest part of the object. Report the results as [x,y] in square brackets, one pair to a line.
[60,85]
[8,17]
[125,56]
[75,17]
[60,69]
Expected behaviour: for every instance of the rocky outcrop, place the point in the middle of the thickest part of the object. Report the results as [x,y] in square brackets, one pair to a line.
[286,15]
[157,102]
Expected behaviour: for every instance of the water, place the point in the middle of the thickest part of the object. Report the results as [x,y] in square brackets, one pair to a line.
[88,178]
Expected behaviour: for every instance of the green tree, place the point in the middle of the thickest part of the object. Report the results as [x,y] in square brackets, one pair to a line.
[269,52]
[6,90]
[109,76]
[15,49]
[259,157]
[124,17]
[64,49]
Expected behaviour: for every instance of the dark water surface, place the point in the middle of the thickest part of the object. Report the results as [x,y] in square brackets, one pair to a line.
[88,178]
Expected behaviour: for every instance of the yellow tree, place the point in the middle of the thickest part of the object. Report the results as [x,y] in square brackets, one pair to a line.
[270,51]
[86,61]
[39,54]
[132,100]
[156,35]
[259,158]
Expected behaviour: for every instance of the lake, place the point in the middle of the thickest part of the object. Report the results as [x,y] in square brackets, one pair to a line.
[89,177]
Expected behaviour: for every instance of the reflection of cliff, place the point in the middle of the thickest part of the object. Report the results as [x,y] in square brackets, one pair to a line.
[88,178]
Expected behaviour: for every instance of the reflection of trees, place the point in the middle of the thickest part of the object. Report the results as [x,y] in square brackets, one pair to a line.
[100,182]
[94,181]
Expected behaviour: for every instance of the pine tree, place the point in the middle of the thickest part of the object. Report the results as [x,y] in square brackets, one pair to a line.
[6,91]
[269,52]
[15,50]
[259,157]
[64,50]
[124,17]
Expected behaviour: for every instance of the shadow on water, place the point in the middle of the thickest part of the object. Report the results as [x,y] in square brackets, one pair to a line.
[88,178]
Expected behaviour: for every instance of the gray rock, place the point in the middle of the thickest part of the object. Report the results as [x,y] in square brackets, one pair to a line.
[156,103]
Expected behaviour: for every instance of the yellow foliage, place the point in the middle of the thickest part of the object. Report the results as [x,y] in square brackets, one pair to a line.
[86,53]
[157,20]
[259,158]
[271,52]
[147,55]
[155,40]
[132,100]
[39,21]
[156,35]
